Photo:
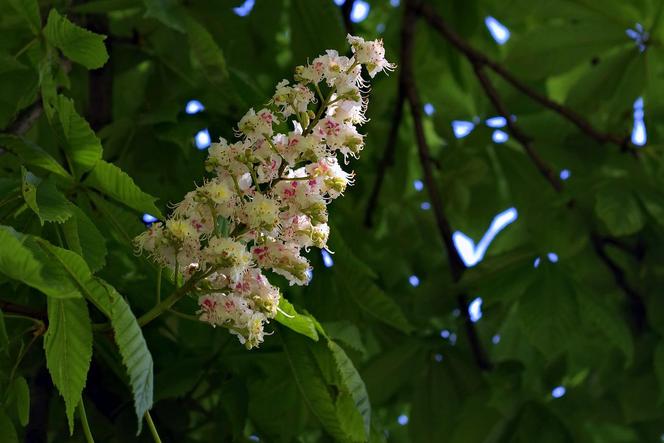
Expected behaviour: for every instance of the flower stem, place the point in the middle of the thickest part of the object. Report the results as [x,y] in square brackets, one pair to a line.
[84,422]
[153,429]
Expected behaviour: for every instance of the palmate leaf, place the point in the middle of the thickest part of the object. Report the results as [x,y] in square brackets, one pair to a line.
[320,27]
[82,145]
[115,183]
[330,385]
[607,319]
[206,52]
[68,346]
[83,237]
[619,209]
[44,199]
[372,300]
[128,335]
[300,323]
[29,10]
[548,310]
[76,43]
[32,155]
[21,259]
[355,278]
[353,383]
[166,11]
[311,384]
[133,348]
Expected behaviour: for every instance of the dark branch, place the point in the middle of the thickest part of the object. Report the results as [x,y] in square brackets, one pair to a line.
[544,168]
[346,10]
[388,156]
[457,267]
[477,58]
[479,61]
[26,118]
[29,116]
[13,308]
[636,306]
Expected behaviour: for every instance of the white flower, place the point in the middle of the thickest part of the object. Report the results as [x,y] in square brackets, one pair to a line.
[268,198]
[283,259]
[255,125]
[262,213]
[371,54]
[231,257]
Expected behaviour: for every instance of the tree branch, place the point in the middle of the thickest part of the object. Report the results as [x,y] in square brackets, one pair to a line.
[346,10]
[388,155]
[636,306]
[479,61]
[477,58]
[13,308]
[545,169]
[26,118]
[457,267]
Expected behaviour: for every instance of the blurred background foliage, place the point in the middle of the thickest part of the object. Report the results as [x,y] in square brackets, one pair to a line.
[548,327]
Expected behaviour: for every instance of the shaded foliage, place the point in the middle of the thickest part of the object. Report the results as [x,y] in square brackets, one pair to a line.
[92,102]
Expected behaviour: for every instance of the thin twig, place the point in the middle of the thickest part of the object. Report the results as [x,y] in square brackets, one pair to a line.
[388,156]
[346,10]
[14,308]
[478,58]
[457,267]
[636,306]
[545,169]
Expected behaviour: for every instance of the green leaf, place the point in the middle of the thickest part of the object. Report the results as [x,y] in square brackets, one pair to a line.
[346,332]
[19,392]
[619,210]
[121,221]
[29,183]
[83,237]
[82,145]
[372,300]
[435,404]
[616,80]
[553,49]
[355,279]
[311,384]
[7,431]
[658,358]
[53,206]
[353,383]
[32,155]
[319,27]
[115,183]
[29,10]
[167,12]
[134,350]
[44,199]
[548,310]
[300,323]
[22,259]
[76,43]
[128,335]
[607,320]
[206,52]
[68,346]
